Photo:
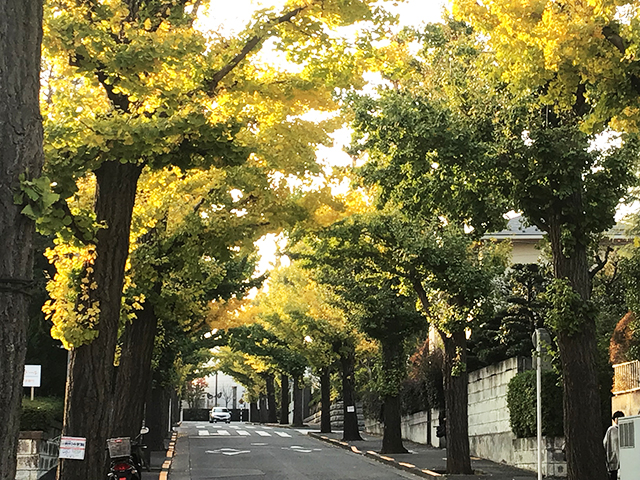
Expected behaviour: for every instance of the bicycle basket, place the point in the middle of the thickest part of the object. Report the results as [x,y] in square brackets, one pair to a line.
[119,447]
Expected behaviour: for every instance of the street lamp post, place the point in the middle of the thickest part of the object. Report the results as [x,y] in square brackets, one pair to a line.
[540,337]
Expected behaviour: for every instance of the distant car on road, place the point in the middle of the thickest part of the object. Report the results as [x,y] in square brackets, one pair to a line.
[219,414]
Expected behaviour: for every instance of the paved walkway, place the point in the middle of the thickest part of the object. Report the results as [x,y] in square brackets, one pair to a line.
[425,461]
[161,462]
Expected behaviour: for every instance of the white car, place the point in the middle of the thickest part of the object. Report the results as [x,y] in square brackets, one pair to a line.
[219,414]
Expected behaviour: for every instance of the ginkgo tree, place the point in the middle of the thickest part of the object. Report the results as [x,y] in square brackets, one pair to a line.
[470,141]
[133,85]
[21,158]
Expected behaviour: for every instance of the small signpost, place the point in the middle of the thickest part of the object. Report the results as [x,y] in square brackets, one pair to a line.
[31,377]
[72,448]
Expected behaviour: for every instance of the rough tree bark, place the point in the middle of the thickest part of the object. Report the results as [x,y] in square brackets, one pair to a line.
[350,430]
[393,357]
[325,400]
[272,413]
[284,399]
[578,352]
[91,371]
[456,402]
[159,420]
[20,152]
[133,376]
[297,402]
[264,409]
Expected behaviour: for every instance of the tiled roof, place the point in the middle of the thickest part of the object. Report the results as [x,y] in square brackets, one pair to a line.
[519,229]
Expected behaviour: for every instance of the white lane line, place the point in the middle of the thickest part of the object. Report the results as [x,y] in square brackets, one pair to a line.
[259,444]
[203,432]
[262,433]
[297,448]
[243,433]
[283,434]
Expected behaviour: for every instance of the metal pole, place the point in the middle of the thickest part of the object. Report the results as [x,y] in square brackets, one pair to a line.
[216,400]
[538,401]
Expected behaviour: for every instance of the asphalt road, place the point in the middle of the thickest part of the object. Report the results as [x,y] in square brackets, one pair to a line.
[210,451]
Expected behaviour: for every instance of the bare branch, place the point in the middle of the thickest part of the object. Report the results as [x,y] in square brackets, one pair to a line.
[251,44]
[600,262]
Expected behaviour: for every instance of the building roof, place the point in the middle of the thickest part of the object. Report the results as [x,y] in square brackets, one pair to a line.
[518,229]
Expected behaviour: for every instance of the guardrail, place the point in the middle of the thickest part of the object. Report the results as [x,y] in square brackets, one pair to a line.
[626,377]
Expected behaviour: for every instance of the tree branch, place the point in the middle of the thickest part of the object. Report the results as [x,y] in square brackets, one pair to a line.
[251,44]
[600,263]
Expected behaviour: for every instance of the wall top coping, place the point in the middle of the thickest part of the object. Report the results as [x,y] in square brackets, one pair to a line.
[32,434]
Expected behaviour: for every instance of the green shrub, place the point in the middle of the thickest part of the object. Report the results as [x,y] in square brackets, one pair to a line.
[521,399]
[42,414]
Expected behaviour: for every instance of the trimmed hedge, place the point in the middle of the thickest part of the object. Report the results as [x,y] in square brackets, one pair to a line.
[521,399]
[43,414]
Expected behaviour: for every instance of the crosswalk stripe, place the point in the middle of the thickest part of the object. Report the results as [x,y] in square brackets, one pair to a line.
[243,433]
[283,434]
[223,432]
[203,432]
[262,433]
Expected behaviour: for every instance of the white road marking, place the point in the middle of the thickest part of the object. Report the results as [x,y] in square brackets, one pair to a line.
[199,426]
[223,432]
[259,444]
[243,433]
[228,451]
[283,434]
[203,432]
[262,433]
[296,448]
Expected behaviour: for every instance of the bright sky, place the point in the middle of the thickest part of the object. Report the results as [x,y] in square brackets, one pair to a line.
[233,15]
[229,17]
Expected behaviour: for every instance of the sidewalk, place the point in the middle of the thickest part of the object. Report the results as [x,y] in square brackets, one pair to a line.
[424,461]
[160,462]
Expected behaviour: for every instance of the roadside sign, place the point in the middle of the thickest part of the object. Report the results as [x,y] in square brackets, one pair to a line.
[72,448]
[31,375]
[351,408]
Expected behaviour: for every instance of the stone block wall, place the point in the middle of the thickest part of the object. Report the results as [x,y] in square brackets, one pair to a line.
[36,455]
[490,434]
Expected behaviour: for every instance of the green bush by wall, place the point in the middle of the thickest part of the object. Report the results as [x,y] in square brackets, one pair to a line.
[521,399]
[43,414]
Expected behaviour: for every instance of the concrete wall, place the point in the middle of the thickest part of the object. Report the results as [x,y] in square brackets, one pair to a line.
[36,455]
[490,434]
[628,403]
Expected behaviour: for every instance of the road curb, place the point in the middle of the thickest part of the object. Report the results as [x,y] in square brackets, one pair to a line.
[166,465]
[407,467]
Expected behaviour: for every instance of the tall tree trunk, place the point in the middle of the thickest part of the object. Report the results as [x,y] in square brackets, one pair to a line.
[158,418]
[392,434]
[325,400]
[297,402]
[89,393]
[456,395]
[578,353]
[394,361]
[350,412]
[284,399]
[264,409]
[133,376]
[272,413]
[20,152]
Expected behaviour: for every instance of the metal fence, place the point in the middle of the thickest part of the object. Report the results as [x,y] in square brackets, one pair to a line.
[626,377]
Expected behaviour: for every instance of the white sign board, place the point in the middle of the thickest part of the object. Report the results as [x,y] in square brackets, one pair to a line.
[31,375]
[72,447]
[351,408]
